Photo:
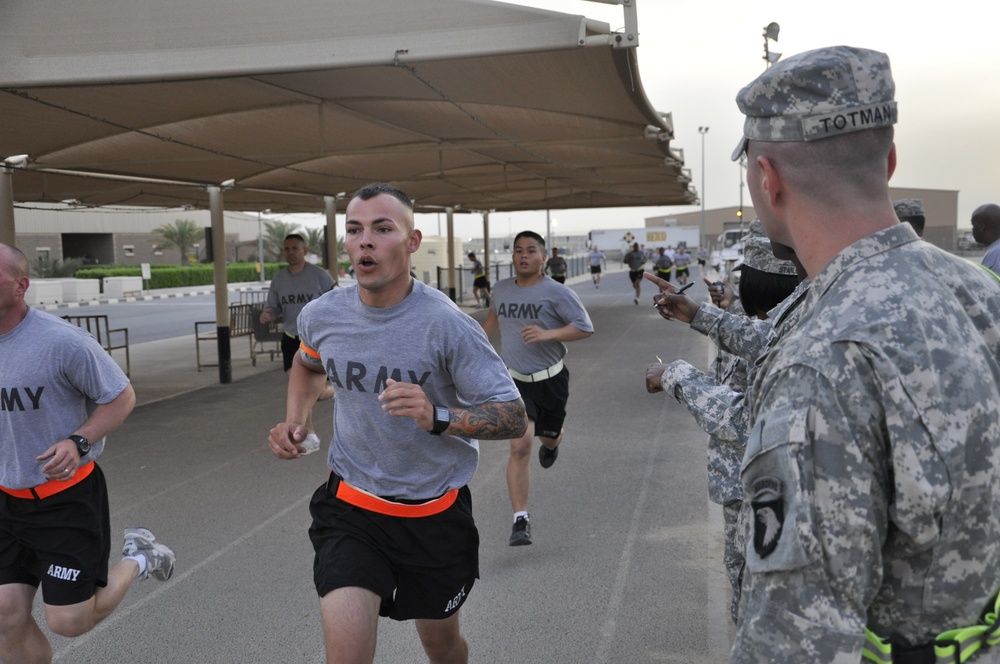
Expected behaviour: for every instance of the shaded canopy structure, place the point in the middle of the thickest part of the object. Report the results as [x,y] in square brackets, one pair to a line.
[467,104]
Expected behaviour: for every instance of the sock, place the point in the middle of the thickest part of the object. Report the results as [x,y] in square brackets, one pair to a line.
[140,561]
[521,513]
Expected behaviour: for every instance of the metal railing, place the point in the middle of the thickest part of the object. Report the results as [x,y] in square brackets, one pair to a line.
[575,266]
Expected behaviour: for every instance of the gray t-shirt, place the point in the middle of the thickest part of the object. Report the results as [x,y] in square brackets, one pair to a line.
[556,266]
[547,304]
[425,339]
[290,292]
[52,376]
[635,260]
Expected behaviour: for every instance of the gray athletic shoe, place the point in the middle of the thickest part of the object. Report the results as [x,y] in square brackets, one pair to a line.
[520,534]
[159,558]
[131,533]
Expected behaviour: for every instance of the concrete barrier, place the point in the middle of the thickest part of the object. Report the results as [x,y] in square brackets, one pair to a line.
[44,291]
[122,286]
[81,290]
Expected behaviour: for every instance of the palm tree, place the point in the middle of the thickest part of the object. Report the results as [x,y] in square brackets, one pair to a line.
[181,235]
[315,239]
[274,237]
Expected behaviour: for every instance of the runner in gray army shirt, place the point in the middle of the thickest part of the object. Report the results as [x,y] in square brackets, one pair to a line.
[535,317]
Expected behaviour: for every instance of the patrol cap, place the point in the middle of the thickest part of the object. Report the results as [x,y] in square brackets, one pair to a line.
[907,208]
[818,94]
[758,255]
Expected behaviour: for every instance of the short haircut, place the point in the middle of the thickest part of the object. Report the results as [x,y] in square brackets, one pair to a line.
[295,236]
[833,169]
[531,235]
[378,188]
[917,221]
[763,291]
[18,261]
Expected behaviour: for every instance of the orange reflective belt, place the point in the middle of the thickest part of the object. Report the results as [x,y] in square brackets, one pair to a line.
[52,487]
[367,501]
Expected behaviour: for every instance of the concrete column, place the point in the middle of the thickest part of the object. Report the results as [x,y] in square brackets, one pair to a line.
[332,249]
[7,233]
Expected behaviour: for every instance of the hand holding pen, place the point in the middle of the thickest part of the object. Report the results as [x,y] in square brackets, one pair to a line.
[671,302]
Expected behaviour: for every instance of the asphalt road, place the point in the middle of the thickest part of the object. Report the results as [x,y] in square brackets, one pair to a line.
[626,565]
[154,320]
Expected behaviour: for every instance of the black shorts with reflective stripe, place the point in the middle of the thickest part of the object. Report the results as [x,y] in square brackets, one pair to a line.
[421,568]
[61,542]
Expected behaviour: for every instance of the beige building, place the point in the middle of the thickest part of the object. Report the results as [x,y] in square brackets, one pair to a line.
[940,208]
[119,236]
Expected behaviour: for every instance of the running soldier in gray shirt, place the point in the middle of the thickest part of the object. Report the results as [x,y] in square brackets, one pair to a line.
[292,288]
[60,395]
[417,383]
[535,316]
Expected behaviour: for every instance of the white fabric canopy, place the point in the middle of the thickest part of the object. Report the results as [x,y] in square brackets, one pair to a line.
[472,104]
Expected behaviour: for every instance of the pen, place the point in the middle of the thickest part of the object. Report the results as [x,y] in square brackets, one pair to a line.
[658,359]
[683,288]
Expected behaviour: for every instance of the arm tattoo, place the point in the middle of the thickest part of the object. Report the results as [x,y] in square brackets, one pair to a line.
[491,421]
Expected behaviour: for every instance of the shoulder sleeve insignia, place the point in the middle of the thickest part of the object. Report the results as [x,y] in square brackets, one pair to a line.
[768,502]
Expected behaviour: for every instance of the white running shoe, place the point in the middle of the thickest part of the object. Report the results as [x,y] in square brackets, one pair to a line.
[159,558]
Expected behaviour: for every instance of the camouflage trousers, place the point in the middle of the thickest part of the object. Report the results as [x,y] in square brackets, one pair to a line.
[733,556]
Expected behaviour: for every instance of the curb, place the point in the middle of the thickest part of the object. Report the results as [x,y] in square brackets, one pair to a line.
[208,290]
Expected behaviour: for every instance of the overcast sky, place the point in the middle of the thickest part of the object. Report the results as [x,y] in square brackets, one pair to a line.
[695,55]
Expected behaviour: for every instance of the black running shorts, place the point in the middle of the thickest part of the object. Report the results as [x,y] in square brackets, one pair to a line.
[62,542]
[545,402]
[422,568]
[635,275]
[289,347]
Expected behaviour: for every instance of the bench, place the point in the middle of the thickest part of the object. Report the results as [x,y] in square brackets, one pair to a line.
[240,325]
[100,329]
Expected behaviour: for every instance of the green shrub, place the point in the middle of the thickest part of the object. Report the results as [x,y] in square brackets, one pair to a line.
[174,276]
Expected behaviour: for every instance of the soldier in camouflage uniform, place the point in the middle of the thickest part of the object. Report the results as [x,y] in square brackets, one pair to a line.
[717,400]
[911,210]
[872,472]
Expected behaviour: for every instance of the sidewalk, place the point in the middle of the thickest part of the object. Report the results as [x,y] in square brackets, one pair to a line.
[626,564]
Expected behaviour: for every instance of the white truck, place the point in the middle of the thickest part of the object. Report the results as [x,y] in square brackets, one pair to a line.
[652,237]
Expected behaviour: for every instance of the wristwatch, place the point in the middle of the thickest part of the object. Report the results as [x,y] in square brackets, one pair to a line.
[442,420]
[82,444]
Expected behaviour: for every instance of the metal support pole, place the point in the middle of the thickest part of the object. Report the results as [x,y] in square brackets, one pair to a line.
[486,243]
[451,253]
[221,285]
[701,236]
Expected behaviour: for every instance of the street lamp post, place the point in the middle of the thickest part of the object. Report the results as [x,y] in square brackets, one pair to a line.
[771,31]
[701,236]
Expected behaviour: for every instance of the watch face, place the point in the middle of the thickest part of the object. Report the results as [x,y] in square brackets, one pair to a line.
[82,444]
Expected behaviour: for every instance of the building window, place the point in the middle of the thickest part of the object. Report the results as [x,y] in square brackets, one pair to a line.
[129,249]
[43,252]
